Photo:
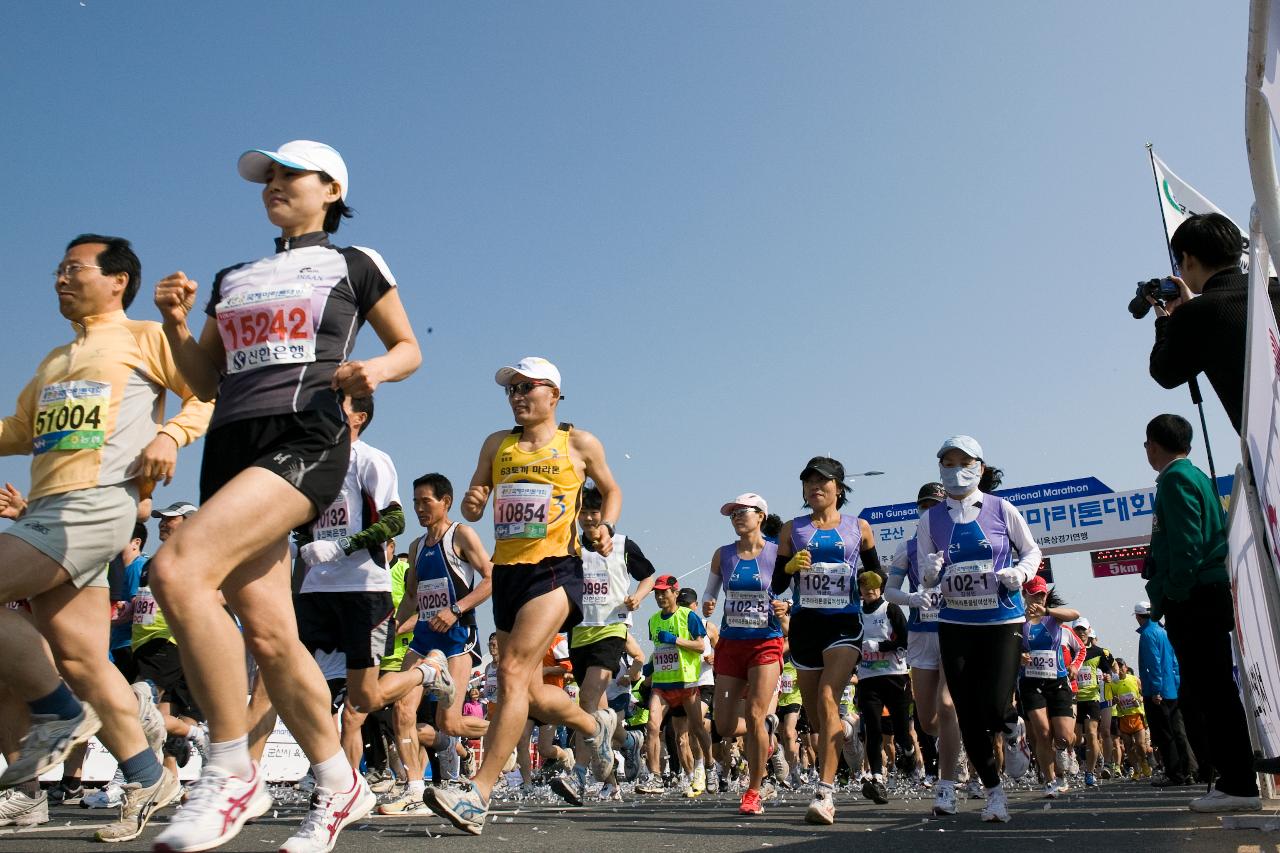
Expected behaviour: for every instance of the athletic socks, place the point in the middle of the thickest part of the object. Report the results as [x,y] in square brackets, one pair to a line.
[334,773]
[61,703]
[142,768]
[416,788]
[232,756]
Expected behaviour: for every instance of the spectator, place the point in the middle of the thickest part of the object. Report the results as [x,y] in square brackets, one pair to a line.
[1187,583]
[1158,671]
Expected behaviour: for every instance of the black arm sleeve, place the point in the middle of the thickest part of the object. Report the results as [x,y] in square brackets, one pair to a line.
[638,565]
[899,624]
[781,580]
[871,563]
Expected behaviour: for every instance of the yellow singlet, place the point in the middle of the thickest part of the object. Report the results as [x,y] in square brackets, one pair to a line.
[536,497]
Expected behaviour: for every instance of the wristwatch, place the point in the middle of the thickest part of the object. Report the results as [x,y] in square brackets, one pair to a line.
[455,610]
[345,544]
[608,526]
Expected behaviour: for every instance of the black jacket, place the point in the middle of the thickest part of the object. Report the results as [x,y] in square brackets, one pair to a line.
[1207,335]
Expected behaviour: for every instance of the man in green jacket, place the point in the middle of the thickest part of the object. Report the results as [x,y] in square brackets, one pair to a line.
[1187,583]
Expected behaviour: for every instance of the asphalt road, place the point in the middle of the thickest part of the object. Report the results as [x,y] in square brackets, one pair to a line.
[1121,816]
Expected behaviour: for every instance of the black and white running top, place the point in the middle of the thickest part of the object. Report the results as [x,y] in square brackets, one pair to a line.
[287,321]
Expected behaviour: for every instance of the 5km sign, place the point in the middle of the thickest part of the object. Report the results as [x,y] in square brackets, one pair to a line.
[1118,561]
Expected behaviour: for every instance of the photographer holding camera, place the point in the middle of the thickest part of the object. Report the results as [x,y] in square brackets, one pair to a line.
[1202,328]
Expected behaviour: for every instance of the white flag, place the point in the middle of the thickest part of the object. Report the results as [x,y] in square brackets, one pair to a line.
[1179,200]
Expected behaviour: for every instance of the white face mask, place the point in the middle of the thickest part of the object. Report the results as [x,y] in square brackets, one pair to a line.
[959,481]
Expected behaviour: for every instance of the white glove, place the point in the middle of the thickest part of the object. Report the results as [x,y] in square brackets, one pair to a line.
[324,551]
[1011,578]
[871,645]
[920,600]
[931,568]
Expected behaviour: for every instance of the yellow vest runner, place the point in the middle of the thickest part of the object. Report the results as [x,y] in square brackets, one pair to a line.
[536,496]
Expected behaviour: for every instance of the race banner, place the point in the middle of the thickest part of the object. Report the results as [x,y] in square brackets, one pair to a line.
[1064,517]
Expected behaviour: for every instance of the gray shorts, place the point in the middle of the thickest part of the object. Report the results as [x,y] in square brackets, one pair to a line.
[81,530]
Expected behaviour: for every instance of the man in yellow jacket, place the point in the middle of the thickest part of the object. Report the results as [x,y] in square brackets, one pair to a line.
[91,418]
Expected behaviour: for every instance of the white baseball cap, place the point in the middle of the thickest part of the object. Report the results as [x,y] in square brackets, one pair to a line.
[1142,608]
[530,366]
[965,444]
[750,499]
[300,154]
[1081,623]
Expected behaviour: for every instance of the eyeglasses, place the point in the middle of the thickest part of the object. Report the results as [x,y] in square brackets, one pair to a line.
[524,388]
[742,511]
[69,270]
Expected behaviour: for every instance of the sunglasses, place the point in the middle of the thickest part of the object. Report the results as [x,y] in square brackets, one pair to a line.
[524,388]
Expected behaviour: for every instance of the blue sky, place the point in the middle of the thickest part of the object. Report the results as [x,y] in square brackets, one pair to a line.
[746,232]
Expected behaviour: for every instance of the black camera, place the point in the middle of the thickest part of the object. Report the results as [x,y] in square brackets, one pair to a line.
[1159,289]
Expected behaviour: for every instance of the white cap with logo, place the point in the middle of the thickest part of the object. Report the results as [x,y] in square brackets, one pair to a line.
[531,367]
[301,154]
[750,499]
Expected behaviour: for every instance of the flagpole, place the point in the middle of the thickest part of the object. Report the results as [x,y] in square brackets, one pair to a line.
[1192,384]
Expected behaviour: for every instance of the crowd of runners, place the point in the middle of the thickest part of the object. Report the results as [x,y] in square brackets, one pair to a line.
[830,669]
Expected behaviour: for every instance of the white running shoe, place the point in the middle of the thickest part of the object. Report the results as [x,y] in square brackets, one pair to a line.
[47,742]
[18,809]
[997,807]
[974,790]
[408,803]
[822,809]
[139,805]
[329,812]
[601,744]
[463,807]
[218,806]
[944,801]
[1216,801]
[436,678]
[1061,762]
[109,796]
[199,737]
[1051,790]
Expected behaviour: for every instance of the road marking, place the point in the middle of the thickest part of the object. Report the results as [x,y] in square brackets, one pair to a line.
[62,827]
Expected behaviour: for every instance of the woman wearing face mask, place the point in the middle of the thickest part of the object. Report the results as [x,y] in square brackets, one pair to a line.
[933,700]
[965,545]
[819,555]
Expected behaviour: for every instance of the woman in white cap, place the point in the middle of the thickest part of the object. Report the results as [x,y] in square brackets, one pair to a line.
[819,554]
[748,661]
[934,707]
[965,545]
[274,351]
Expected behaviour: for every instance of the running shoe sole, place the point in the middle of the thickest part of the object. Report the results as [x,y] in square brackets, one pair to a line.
[565,790]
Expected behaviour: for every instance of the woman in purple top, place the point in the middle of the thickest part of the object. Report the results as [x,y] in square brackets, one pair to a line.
[748,659]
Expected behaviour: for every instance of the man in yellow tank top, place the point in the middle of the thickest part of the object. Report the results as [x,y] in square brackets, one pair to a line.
[535,474]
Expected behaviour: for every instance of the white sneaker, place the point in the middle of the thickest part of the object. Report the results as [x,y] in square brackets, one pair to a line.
[601,744]
[974,790]
[218,806]
[18,809]
[1061,762]
[436,678]
[1051,790]
[47,742]
[408,803]
[1216,801]
[199,737]
[997,807]
[822,809]
[108,796]
[329,812]
[1075,763]
[944,801]
[1063,785]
